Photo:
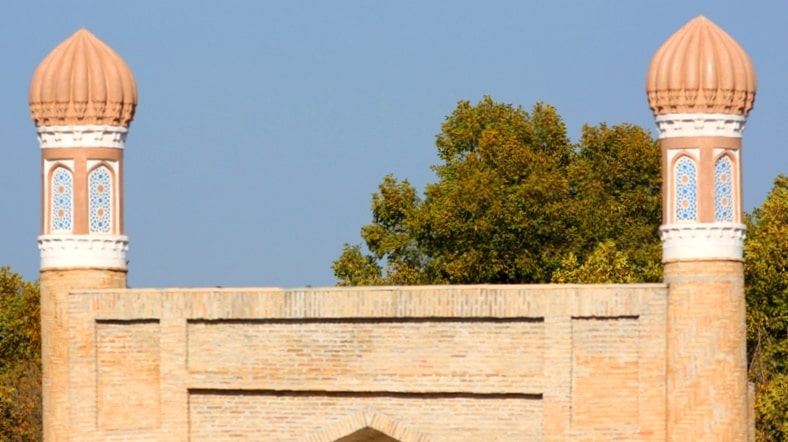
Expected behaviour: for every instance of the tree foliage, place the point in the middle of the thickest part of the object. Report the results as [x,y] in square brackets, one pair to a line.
[766,286]
[605,265]
[20,359]
[515,201]
[617,178]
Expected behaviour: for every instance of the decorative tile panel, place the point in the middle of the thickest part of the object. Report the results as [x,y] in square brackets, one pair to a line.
[686,189]
[62,201]
[100,200]
[723,190]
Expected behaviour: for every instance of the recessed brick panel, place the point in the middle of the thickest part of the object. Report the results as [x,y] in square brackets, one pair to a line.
[216,417]
[605,377]
[128,374]
[419,355]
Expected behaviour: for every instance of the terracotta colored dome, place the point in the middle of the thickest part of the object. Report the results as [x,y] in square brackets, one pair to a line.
[701,69]
[83,81]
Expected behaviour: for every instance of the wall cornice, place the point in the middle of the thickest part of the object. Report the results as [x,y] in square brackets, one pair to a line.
[702,241]
[63,251]
[50,137]
[700,125]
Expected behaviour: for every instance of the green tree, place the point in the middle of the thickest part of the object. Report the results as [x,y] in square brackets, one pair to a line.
[766,287]
[497,212]
[514,198]
[354,268]
[20,359]
[392,237]
[616,177]
[605,265]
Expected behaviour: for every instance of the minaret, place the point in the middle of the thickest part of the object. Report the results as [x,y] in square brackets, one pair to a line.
[82,99]
[701,86]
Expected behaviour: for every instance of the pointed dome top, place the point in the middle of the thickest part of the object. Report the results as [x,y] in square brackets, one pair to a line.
[701,69]
[83,81]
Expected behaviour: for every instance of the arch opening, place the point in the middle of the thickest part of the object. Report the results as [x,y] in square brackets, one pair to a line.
[367,435]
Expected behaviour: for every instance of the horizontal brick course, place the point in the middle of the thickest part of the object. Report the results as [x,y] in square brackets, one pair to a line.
[285,417]
[426,355]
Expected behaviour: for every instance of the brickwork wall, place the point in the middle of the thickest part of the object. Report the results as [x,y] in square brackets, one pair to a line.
[605,378]
[127,370]
[398,354]
[707,359]
[55,287]
[293,417]
[416,364]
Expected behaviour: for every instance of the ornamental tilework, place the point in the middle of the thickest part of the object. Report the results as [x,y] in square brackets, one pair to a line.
[100,200]
[723,189]
[686,188]
[62,192]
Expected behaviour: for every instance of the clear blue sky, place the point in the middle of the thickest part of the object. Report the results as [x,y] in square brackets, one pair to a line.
[263,127]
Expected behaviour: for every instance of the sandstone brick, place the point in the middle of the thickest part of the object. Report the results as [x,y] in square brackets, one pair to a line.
[55,288]
[707,361]
[404,363]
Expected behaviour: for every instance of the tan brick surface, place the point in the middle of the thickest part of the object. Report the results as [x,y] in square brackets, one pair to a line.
[605,378]
[707,364]
[287,417]
[400,355]
[554,363]
[415,364]
[55,288]
[127,366]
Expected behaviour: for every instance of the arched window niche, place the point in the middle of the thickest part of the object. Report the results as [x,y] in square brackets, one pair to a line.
[100,200]
[723,190]
[61,204]
[685,187]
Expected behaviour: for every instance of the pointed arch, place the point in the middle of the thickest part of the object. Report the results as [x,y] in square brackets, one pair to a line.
[366,423]
[101,188]
[367,435]
[685,189]
[61,199]
[724,202]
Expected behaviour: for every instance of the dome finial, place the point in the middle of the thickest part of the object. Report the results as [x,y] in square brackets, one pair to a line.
[83,81]
[701,69]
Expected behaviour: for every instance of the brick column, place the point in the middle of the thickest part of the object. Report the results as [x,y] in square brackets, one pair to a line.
[55,288]
[706,355]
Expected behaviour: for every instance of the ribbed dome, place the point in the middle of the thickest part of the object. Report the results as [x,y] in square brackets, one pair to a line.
[701,69]
[83,81]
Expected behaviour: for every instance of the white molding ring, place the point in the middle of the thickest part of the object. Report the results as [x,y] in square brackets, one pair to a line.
[83,251]
[703,241]
[53,137]
[700,125]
